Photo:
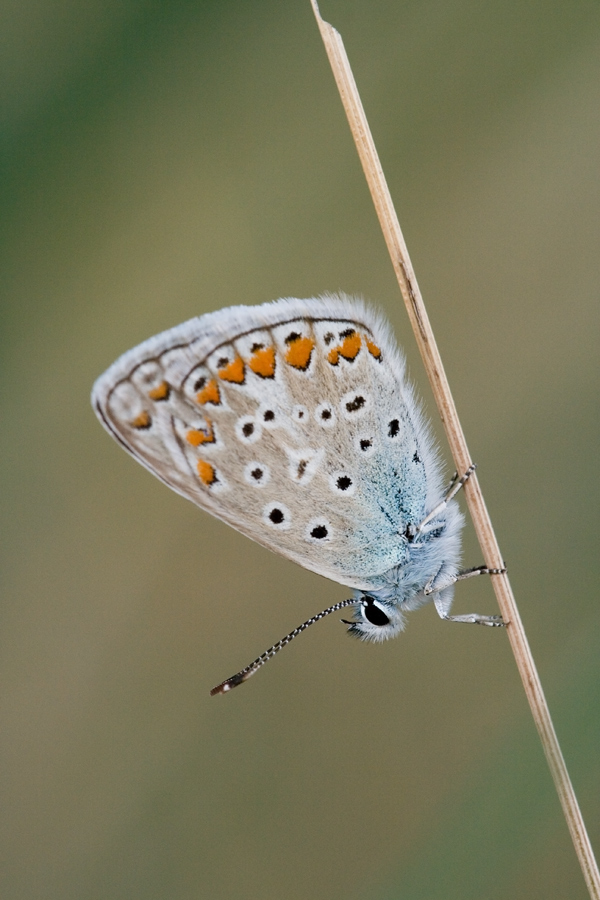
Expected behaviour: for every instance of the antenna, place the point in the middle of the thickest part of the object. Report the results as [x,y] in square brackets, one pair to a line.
[245,674]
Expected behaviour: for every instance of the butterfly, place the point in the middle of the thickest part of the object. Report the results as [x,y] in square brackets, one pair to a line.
[294,422]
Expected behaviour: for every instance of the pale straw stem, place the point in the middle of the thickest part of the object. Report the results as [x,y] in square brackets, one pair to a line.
[458,445]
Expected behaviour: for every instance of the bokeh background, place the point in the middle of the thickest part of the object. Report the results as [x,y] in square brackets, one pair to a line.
[164,159]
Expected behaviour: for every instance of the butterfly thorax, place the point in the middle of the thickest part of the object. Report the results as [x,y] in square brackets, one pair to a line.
[379,611]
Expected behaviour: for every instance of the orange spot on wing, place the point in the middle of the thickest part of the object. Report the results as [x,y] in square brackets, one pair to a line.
[196,438]
[349,349]
[262,362]
[161,392]
[142,421]
[373,348]
[209,393]
[351,346]
[206,472]
[234,371]
[299,352]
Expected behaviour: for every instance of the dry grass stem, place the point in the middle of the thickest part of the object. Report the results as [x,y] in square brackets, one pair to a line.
[458,445]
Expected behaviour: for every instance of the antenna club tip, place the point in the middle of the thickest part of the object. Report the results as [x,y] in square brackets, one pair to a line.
[228,684]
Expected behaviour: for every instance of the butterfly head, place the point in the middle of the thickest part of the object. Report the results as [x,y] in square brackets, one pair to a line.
[374,619]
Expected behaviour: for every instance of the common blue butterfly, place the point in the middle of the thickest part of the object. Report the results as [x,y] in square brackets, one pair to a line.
[294,423]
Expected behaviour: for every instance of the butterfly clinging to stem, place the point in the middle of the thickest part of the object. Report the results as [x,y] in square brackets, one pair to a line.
[294,423]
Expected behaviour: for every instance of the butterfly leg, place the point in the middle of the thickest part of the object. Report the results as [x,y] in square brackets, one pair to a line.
[453,481]
[453,489]
[443,580]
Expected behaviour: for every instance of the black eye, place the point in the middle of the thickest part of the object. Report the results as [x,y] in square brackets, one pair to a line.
[373,613]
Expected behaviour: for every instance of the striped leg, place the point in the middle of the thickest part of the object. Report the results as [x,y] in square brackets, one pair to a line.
[443,580]
[454,488]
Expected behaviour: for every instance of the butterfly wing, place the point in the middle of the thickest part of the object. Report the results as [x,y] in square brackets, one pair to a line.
[291,421]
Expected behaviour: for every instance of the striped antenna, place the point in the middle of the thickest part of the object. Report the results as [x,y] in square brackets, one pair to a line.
[245,674]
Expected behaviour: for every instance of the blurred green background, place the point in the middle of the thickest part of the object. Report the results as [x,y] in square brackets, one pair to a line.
[164,159]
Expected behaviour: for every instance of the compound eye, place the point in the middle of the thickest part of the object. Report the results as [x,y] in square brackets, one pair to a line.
[373,613]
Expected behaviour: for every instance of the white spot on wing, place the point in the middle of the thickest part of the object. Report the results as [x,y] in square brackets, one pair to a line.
[304,463]
[248,429]
[257,474]
[325,415]
[319,531]
[276,515]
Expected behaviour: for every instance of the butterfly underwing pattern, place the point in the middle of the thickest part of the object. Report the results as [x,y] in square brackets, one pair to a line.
[294,423]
